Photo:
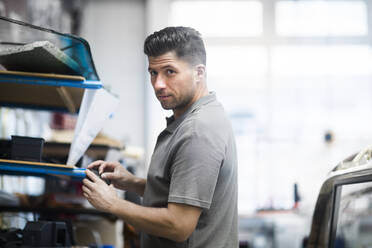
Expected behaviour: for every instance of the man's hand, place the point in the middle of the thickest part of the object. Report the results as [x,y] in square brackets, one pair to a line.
[98,193]
[120,178]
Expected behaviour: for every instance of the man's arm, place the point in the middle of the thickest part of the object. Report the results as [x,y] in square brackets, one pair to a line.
[175,222]
[138,185]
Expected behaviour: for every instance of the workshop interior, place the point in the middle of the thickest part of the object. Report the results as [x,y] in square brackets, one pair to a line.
[294,77]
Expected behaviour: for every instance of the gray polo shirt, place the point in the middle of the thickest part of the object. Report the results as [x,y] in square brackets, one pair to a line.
[195,163]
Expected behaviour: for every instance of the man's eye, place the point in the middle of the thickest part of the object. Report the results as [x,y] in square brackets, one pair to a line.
[153,73]
[169,72]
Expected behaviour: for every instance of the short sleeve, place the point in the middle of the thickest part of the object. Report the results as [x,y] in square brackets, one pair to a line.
[195,168]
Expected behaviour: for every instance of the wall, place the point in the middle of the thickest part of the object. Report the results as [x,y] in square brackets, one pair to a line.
[115,32]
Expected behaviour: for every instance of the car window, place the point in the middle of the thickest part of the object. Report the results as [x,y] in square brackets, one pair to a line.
[354,216]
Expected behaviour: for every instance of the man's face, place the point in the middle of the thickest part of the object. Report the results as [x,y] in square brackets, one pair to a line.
[175,82]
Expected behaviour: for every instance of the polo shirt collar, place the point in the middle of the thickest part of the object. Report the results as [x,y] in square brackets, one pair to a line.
[173,123]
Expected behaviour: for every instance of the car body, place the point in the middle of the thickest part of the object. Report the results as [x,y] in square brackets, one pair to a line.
[343,213]
[342,216]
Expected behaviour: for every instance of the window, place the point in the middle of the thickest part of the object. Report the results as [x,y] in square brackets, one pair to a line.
[236,66]
[321,18]
[317,60]
[219,18]
[287,72]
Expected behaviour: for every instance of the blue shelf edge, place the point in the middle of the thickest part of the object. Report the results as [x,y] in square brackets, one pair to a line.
[35,170]
[89,84]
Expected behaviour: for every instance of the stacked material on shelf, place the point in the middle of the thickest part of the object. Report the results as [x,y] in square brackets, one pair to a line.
[39,56]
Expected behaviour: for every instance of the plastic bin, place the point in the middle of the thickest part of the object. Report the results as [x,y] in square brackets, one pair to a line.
[26,148]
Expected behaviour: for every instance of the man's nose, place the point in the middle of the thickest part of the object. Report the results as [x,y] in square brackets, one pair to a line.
[159,83]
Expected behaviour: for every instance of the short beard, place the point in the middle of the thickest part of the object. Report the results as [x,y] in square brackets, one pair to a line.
[179,105]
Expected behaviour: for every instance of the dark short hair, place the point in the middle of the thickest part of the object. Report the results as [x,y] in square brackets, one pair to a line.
[186,42]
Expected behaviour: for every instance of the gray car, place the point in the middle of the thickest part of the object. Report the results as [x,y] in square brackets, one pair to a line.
[343,212]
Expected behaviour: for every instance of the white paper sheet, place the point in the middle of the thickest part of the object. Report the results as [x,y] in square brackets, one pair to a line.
[96,108]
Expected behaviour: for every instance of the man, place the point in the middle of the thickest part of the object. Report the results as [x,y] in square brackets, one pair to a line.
[190,194]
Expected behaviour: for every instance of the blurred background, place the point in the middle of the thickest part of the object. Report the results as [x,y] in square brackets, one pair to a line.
[295,77]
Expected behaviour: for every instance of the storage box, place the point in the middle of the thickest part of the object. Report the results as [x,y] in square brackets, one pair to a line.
[26,148]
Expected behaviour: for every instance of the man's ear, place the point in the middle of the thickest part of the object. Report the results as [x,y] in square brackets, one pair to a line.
[200,72]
